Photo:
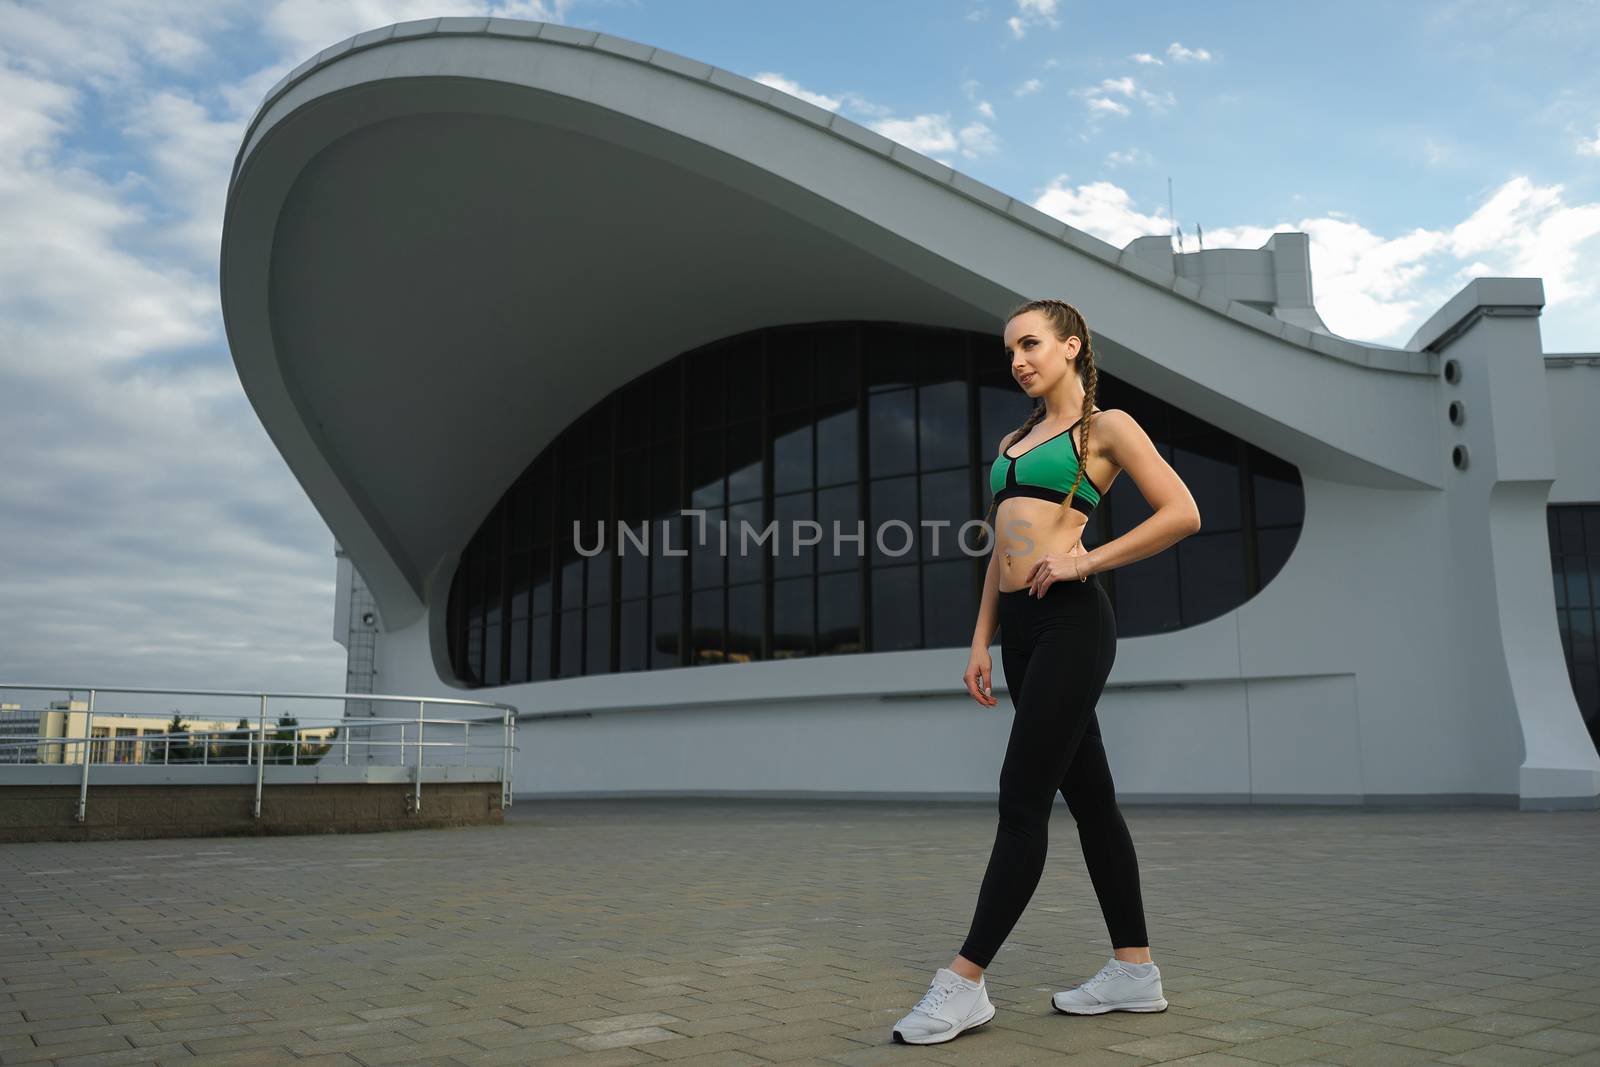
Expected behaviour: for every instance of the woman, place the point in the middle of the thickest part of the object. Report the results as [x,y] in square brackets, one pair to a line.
[1057,642]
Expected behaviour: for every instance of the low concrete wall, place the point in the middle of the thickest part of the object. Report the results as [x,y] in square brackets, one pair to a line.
[44,811]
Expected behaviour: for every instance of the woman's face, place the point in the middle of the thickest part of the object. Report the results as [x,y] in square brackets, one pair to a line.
[1038,360]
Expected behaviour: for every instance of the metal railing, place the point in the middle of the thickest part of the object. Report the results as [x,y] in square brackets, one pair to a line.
[257,742]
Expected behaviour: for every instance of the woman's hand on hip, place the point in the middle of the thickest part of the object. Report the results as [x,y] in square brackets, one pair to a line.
[980,677]
[1055,568]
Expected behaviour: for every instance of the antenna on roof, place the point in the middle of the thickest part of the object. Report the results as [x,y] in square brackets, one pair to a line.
[1201,236]
[1173,215]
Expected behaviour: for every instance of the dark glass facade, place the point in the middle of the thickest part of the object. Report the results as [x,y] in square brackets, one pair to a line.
[1575,565]
[849,426]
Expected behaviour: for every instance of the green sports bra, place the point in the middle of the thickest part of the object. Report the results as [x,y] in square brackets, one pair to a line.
[1047,470]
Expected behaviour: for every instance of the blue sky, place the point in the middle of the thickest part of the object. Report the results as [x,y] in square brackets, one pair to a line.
[152,533]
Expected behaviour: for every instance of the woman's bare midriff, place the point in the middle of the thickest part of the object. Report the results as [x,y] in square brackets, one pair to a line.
[1053,529]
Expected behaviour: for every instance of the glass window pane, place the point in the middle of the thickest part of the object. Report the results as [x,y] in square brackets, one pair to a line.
[541,648]
[1211,567]
[891,354]
[746,549]
[571,575]
[705,621]
[838,457]
[635,632]
[942,415]
[792,618]
[707,374]
[744,623]
[539,577]
[597,647]
[1002,407]
[744,375]
[665,626]
[599,567]
[705,560]
[1571,519]
[839,513]
[839,613]
[1147,595]
[493,664]
[896,609]
[892,520]
[791,451]
[791,559]
[838,369]
[635,542]
[666,401]
[1272,550]
[892,433]
[1591,526]
[571,642]
[791,364]
[633,485]
[474,664]
[706,470]
[666,571]
[949,604]
[664,498]
[518,584]
[1215,485]
[518,668]
[744,461]
[1279,497]
[597,500]
[945,498]
[1577,582]
[543,501]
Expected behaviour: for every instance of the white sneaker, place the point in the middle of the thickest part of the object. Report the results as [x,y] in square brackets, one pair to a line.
[951,1005]
[1113,988]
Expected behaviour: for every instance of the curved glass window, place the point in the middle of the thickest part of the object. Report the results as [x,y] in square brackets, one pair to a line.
[1575,566]
[799,491]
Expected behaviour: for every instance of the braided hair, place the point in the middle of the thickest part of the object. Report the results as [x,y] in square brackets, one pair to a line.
[1065,321]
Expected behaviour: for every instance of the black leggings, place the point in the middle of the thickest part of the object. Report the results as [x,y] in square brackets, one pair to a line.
[1057,651]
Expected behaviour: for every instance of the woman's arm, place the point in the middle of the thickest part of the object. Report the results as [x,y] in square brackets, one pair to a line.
[1176,516]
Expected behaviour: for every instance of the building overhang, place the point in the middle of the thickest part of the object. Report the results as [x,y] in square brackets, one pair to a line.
[445,239]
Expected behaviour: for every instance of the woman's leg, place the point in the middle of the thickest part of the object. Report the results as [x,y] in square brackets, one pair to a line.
[1066,667]
[1107,846]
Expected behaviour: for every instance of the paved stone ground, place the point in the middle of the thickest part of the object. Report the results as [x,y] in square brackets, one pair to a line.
[731,932]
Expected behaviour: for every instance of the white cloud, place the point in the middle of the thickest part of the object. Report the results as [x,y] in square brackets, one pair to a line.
[1590,147]
[1146,58]
[153,533]
[1179,54]
[1099,99]
[779,82]
[1129,158]
[932,135]
[1381,288]
[305,27]
[1029,87]
[986,109]
[1031,13]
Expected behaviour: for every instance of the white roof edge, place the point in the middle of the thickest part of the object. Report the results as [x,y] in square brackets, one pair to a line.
[1409,360]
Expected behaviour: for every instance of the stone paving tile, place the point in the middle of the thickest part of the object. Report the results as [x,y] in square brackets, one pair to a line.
[735,933]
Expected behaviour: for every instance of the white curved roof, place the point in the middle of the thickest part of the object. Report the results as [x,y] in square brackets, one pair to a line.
[446,238]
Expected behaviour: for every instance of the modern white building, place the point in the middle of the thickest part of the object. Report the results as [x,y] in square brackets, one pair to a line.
[485,277]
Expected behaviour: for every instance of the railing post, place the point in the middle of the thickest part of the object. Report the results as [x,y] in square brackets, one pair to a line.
[344,728]
[88,754]
[508,727]
[422,714]
[261,757]
[466,742]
